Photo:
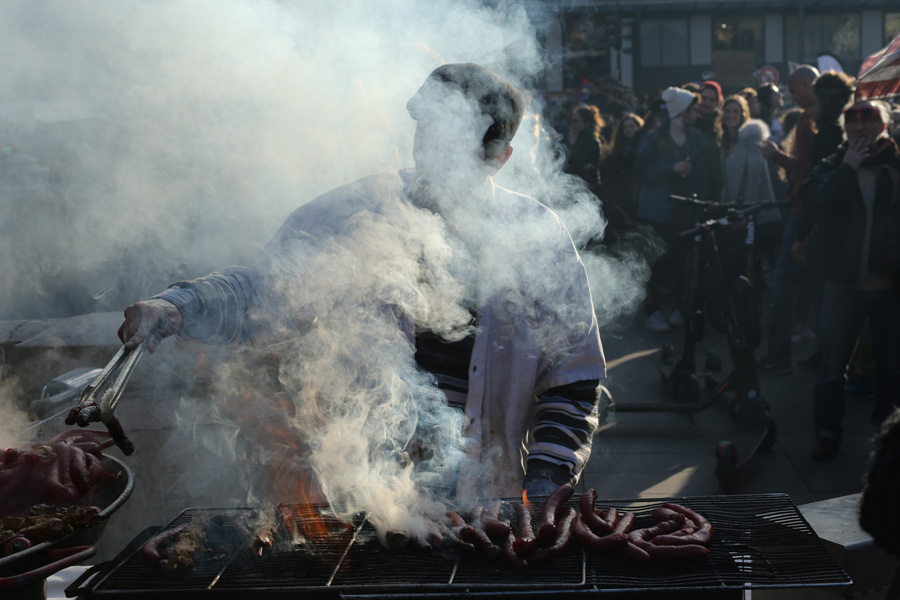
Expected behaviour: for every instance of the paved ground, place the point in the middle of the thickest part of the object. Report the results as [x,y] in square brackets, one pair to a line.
[645,454]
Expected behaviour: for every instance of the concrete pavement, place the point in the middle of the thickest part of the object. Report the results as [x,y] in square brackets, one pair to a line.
[648,454]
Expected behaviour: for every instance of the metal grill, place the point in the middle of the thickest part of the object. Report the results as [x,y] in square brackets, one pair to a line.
[761,541]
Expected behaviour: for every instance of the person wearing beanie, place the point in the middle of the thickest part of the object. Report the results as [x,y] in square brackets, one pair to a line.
[404,264]
[710,97]
[669,160]
[677,100]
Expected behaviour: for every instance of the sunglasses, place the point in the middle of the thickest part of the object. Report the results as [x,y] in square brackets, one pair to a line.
[866,113]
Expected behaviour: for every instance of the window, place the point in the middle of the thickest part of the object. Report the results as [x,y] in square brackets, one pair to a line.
[835,34]
[739,33]
[891,27]
[664,42]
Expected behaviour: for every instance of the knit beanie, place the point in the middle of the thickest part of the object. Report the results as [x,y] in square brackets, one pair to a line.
[677,100]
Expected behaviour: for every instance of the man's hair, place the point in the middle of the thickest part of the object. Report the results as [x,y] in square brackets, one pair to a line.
[833,91]
[496,97]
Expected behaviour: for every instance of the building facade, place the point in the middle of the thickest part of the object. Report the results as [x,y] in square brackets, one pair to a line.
[651,44]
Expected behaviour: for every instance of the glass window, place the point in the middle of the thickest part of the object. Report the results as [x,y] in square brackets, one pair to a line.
[891,27]
[739,33]
[835,34]
[664,42]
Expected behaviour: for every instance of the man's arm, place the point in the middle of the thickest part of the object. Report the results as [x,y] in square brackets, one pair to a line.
[565,420]
[213,309]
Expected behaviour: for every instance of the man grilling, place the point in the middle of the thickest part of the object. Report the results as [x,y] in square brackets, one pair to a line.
[515,346]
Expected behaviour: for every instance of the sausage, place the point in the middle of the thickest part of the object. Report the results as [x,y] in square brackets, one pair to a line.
[83,414]
[594,521]
[705,529]
[612,517]
[649,533]
[525,543]
[451,535]
[81,477]
[118,434]
[592,541]
[547,532]
[625,523]
[636,553]
[513,559]
[563,537]
[153,549]
[678,552]
[477,536]
[493,526]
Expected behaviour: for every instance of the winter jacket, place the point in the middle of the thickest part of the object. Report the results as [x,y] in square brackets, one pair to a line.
[746,173]
[656,157]
[833,198]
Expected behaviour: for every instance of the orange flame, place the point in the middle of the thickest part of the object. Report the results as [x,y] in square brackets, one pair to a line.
[525,500]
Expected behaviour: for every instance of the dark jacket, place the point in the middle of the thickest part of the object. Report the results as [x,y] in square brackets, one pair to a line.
[832,196]
[656,156]
[584,158]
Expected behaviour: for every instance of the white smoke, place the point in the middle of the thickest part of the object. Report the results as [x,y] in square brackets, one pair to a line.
[163,139]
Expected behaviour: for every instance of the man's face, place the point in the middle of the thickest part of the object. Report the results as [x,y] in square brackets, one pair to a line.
[449,133]
[801,91]
[863,120]
[709,101]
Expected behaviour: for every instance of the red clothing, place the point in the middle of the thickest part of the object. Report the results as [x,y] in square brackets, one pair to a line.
[798,164]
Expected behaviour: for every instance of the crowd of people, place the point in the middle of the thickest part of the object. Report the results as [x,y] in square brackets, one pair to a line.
[824,251]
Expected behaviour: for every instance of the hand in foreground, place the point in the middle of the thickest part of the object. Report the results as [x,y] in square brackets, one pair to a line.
[857,151]
[682,167]
[540,487]
[768,149]
[151,320]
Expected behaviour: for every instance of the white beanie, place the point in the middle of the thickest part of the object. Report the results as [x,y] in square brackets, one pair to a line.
[677,100]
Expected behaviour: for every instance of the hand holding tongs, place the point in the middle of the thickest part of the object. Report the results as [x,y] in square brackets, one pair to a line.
[89,411]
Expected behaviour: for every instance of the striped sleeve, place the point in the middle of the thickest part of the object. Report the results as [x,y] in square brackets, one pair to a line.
[564,424]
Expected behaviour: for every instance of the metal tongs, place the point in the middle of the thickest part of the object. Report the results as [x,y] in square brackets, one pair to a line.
[90,411]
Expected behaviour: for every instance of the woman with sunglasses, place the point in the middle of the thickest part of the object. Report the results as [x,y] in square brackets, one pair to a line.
[854,196]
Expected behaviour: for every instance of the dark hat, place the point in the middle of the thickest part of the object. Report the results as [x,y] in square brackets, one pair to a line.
[495,96]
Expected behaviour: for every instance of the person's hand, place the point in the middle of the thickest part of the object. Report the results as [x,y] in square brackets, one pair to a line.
[768,149]
[540,487]
[682,167]
[857,151]
[150,320]
[798,251]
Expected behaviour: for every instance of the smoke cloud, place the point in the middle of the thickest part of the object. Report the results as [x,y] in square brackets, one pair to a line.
[151,141]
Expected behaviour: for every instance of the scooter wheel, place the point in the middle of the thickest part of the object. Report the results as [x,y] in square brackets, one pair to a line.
[726,466]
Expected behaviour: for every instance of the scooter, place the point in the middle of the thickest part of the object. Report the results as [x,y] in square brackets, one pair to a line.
[729,304]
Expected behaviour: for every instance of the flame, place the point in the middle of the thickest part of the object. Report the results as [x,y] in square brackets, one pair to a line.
[525,500]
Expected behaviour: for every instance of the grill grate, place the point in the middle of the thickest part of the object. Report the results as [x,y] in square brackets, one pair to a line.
[761,541]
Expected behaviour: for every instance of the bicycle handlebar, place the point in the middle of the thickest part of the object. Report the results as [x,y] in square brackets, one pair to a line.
[694,200]
[733,215]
